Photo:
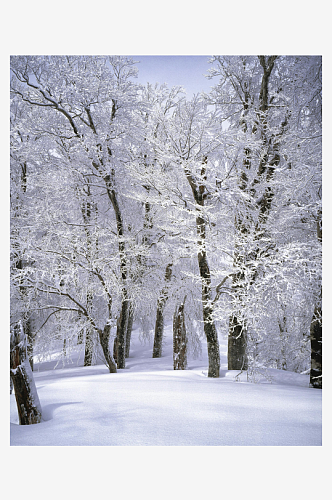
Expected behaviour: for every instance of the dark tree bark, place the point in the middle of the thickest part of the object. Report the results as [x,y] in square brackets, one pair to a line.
[316,371]
[159,331]
[64,347]
[237,344]
[121,334]
[87,208]
[28,405]
[159,326]
[129,328]
[282,363]
[179,339]
[115,343]
[88,353]
[30,336]
[80,337]
[237,358]
[104,337]
[209,326]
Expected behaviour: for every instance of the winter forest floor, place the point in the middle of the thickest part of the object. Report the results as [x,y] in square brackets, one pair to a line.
[150,404]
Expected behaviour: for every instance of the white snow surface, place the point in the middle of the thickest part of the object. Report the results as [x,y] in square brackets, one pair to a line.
[150,404]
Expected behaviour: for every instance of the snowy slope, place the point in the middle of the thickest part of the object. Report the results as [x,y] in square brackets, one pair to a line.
[149,404]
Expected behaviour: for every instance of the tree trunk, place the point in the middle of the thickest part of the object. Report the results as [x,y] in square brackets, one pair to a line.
[122,325]
[27,328]
[209,326]
[237,358]
[88,354]
[237,338]
[87,208]
[159,326]
[104,337]
[115,343]
[121,334]
[88,346]
[316,373]
[179,339]
[282,363]
[129,328]
[237,343]
[80,337]
[26,320]
[212,343]
[204,270]
[28,405]
[159,331]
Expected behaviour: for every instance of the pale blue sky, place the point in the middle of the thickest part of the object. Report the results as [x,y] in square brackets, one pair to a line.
[187,71]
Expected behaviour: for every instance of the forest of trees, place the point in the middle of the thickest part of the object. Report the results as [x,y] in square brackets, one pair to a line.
[131,204]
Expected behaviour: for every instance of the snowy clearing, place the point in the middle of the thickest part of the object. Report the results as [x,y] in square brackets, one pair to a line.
[150,404]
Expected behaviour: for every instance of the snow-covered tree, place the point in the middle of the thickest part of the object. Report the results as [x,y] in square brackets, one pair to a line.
[271,110]
[192,137]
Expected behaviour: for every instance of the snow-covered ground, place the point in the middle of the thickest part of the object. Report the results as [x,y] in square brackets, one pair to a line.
[150,404]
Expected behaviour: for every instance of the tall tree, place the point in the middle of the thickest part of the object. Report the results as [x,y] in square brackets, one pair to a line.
[264,103]
[192,136]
